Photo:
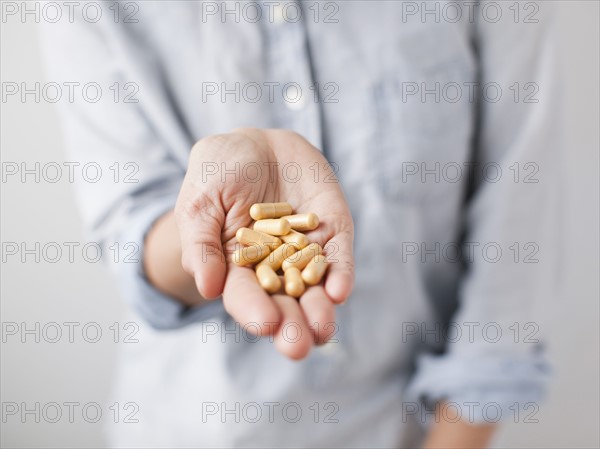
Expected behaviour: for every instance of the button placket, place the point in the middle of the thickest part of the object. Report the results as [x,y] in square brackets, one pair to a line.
[291,67]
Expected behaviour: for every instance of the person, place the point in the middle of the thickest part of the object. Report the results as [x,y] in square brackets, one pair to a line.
[424,137]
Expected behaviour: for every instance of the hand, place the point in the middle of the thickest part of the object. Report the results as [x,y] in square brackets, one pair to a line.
[226,175]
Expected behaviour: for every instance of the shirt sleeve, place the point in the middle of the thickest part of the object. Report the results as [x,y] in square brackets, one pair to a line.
[498,367]
[120,132]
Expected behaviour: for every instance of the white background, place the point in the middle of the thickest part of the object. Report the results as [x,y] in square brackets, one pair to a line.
[83,292]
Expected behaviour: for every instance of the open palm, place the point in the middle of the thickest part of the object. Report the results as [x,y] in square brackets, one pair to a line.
[226,175]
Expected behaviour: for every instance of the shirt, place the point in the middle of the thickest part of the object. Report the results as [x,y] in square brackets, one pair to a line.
[442,129]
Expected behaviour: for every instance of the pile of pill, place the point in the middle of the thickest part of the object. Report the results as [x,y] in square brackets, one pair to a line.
[276,243]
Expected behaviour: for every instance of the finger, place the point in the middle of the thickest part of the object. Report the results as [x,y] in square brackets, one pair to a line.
[339,280]
[320,313]
[200,223]
[293,337]
[248,304]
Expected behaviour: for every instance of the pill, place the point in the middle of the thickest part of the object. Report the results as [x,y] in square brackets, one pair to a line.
[277,226]
[249,255]
[247,236]
[268,279]
[314,271]
[303,257]
[295,237]
[260,211]
[276,258]
[294,286]
[303,222]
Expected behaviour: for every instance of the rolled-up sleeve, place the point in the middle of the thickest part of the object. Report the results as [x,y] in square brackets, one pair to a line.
[159,310]
[118,128]
[499,362]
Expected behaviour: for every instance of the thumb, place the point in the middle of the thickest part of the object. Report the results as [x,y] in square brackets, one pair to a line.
[200,224]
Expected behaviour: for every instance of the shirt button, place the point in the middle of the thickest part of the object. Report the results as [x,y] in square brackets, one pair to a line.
[295,100]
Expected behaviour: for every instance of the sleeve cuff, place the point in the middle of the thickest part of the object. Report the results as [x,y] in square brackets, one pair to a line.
[157,309]
[483,390]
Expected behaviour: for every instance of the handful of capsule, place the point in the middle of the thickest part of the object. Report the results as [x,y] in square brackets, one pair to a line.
[277,243]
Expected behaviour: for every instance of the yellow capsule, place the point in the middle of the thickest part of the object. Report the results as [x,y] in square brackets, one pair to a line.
[303,222]
[247,236]
[294,286]
[268,279]
[249,255]
[301,258]
[314,271]
[277,226]
[277,257]
[295,237]
[260,211]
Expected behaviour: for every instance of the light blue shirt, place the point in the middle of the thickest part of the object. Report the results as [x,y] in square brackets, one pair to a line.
[444,135]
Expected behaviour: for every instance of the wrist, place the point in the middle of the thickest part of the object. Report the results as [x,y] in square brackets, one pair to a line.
[162,262]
